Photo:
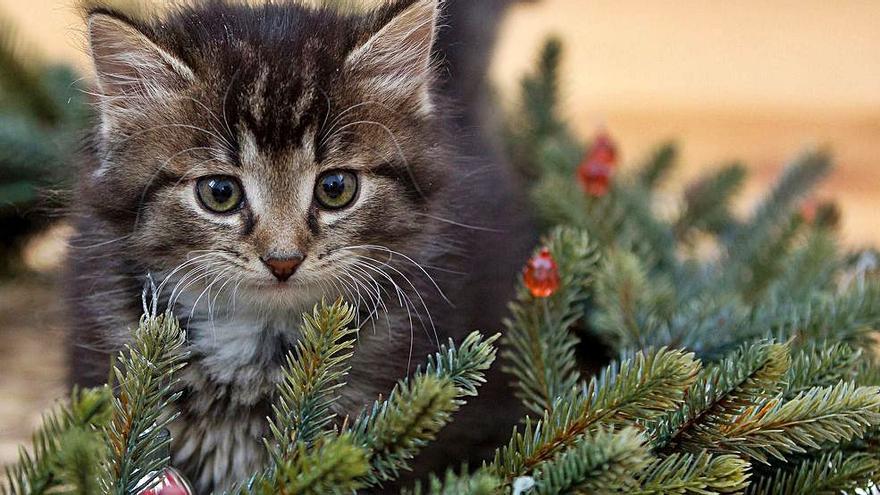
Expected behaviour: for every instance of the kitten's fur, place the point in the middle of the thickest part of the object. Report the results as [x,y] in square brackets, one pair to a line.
[274,95]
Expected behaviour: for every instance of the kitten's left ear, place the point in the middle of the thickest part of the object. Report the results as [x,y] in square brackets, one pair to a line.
[397,59]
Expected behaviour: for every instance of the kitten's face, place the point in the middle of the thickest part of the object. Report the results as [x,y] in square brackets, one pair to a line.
[278,151]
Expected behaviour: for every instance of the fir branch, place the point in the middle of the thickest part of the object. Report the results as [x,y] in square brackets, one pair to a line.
[810,268]
[721,393]
[821,365]
[637,390]
[694,474]
[66,448]
[396,429]
[760,242]
[630,306]
[851,317]
[707,201]
[313,374]
[145,374]
[829,474]
[605,461]
[827,415]
[331,465]
[658,165]
[453,483]
[539,348]
[466,364]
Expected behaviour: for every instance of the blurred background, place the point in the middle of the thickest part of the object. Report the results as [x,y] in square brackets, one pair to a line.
[751,80]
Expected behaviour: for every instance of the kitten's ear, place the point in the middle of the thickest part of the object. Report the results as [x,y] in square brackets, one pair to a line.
[131,68]
[397,59]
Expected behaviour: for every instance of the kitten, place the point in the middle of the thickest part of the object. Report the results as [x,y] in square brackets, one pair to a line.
[250,160]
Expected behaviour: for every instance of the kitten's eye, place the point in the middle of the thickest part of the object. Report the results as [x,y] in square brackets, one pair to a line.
[336,189]
[220,193]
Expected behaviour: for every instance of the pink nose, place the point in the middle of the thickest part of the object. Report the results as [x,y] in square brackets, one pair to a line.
[285,266]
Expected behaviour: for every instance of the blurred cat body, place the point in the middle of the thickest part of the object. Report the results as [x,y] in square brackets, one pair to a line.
[229,136]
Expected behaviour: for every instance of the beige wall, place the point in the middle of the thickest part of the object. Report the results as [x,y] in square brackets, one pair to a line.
[750,79]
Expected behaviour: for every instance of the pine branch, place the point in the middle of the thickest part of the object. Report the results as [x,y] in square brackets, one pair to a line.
[539,347]
[602,462]
[828,415]
[394,430]
[829,474]
[630,306]
[721,393]
[478,483]
[639,389]
[312,376]
[755,240]
[145,374]
[694,474]
[821,365]
[66,449]
[810,268]
[707,201]
[658,165]
[331,465]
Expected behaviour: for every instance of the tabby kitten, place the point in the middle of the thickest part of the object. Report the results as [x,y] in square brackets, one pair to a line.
[251,160]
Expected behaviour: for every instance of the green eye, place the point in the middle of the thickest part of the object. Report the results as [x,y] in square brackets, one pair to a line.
[220,194]
[336,189]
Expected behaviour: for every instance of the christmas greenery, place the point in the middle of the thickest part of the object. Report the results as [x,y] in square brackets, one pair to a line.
[741,353]
[43,115]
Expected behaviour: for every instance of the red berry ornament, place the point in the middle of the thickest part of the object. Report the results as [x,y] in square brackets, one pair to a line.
[171,482]
[541,275]
[594,172]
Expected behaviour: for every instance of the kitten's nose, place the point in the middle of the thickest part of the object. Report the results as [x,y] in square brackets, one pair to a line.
[283,267]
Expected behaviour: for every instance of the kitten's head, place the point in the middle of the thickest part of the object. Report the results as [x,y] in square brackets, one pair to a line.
[263,145]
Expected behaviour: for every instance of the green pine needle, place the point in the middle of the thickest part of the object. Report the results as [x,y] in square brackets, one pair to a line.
[396,429]
[453,483]
[829,474]
[312,376]
[331,465]
[145,373]
[539,346]
[66,449]
[694,474]
[638,389]
[602,462]
[776,428]
[722,393]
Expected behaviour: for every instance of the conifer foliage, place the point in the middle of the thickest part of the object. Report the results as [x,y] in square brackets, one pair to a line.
[742,354]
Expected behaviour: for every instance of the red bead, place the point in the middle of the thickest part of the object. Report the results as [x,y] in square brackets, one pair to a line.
[171,482]
[541,275]
[594,178]
[594,172]
[604,150]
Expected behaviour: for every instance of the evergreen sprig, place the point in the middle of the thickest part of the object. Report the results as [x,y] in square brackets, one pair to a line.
[828,474]
[604,461]
[539,346]
[637,389]
[67,449]
[141,411]
[394,430]
[312,375]
[694,474]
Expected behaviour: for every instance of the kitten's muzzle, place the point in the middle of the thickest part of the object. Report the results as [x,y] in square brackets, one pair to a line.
[283,267]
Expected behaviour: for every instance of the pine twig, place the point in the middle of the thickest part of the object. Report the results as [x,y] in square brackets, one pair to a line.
[145,374]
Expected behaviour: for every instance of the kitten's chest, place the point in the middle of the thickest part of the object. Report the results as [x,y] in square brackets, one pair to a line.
[238,358]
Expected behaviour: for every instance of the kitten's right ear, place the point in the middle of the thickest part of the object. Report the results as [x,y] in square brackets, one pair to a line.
[131,69]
